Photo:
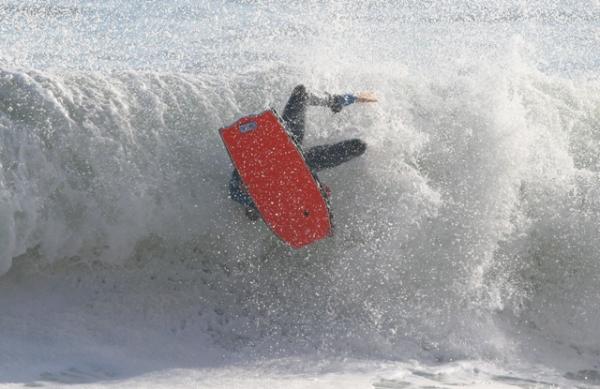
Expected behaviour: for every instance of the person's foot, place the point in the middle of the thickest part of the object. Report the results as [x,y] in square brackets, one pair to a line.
[355,147]
[252,214]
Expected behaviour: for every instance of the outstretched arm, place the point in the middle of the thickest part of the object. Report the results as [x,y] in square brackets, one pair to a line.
[337,102]
[331,101]
[295,109]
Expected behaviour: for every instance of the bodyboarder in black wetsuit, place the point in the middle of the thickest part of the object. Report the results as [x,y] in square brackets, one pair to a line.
[318,157]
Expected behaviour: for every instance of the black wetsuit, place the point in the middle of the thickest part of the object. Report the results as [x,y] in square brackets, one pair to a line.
[318,157]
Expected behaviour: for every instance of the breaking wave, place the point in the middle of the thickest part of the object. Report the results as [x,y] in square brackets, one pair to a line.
[477,202]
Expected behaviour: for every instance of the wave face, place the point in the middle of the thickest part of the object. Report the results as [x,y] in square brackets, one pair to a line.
[477,203]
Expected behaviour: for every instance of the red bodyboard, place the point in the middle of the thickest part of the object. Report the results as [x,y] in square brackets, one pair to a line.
[287,195]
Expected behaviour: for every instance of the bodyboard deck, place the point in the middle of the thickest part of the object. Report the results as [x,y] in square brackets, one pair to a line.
[287,195]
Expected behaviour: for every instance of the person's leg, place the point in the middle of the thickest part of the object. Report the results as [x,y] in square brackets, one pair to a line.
[328,156]
[294,113]
[238,193]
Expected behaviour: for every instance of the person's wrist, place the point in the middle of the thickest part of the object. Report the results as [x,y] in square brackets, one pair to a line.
[349,99]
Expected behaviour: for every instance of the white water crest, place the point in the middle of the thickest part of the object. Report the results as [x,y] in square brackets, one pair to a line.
[466,236]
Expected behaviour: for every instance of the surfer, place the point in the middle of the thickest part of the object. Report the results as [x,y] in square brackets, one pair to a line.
[318,157]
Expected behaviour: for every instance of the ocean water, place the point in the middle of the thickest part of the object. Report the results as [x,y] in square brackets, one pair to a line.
[467,245]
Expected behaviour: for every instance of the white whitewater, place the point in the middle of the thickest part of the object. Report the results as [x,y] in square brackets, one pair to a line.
[467,237]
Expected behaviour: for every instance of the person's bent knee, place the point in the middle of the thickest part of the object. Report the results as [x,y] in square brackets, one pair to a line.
[357,146]
[299,90]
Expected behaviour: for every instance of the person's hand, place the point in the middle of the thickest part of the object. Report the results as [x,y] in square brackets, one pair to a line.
[366,97]
[339,101]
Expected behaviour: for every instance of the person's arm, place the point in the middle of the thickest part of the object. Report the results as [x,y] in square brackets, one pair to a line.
[337,102]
